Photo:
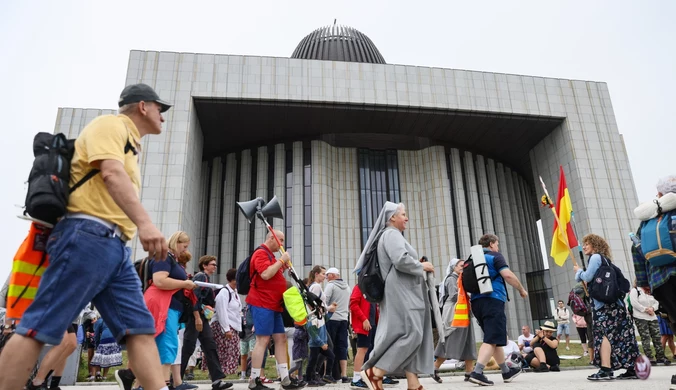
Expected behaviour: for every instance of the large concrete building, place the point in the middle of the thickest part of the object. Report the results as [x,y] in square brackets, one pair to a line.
[334,131]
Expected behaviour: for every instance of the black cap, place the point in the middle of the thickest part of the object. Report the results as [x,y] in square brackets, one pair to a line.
[141,92]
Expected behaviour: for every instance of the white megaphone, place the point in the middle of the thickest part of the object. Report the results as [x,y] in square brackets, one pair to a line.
[483,277]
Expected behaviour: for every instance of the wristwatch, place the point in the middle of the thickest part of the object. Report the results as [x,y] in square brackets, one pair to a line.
[7,327]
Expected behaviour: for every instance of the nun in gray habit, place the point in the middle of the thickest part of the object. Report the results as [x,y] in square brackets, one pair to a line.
[403,342]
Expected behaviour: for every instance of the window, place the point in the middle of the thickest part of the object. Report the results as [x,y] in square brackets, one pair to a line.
[540,295]
[288,199]
[378,183]
[307,204]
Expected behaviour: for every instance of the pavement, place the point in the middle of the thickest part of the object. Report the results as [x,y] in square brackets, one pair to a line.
[660,378]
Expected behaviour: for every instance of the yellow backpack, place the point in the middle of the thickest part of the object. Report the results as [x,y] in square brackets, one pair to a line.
[295,305]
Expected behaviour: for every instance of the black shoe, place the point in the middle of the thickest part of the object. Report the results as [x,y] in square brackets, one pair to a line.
[555,368]
[389,381]
[316,383]
[664,361]
[513,373]
[467,374]
[541,368]
[258,385]
[630,374]
[190,376]
[436,377]
[328,379]
[673,383]
[220,385]
[31,386]
[480,379]
[602,375]
[345,380]
[125,379]
[293,384]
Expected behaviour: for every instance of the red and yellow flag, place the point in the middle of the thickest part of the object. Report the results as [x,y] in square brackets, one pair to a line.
[564,209]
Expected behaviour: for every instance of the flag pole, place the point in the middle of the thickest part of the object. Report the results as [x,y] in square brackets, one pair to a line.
[556,217]
[579,247]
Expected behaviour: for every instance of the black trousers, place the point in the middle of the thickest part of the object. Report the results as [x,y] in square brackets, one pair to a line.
[666,296]
[206,338]
[312,361]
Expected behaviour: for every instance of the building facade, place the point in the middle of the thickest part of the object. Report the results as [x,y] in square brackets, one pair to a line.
[336,131]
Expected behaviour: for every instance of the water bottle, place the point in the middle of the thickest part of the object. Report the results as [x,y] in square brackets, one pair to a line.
[635,240]
[673,223]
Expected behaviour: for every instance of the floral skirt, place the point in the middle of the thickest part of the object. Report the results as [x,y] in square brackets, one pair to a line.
[107,354]
[613,322]
[228,349]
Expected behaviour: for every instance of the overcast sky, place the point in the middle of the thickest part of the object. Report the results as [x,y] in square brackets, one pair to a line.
[75,54]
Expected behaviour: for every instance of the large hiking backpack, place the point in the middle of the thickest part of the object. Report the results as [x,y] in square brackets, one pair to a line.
[370,280]
[48,181]
[244,275]
[658,239]
[577,304]
[608,284]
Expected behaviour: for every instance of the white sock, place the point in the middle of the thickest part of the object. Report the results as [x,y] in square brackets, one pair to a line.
[255,373]
[356,377]
[283,370]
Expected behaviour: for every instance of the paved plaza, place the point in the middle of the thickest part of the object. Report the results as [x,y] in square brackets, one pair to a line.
[569,379]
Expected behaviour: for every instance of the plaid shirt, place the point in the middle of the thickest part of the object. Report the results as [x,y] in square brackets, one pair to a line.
[650,276]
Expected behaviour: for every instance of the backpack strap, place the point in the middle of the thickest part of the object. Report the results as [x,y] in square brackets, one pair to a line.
[127,148]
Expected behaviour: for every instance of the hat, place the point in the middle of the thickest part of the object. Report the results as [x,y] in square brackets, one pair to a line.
[141,92]
[333,270]
[548,325]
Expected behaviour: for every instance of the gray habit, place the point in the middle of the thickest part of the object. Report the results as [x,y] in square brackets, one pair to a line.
[459,341]
[403,341]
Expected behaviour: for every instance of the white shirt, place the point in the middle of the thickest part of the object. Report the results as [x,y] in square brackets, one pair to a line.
[522,341]
[640,302]
[510,348]
[228,309]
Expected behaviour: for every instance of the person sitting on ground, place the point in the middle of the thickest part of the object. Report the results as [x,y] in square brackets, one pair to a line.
[524,340]
[544,357]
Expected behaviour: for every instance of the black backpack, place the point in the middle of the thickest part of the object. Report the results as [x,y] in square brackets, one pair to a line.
[244,276]
[608,284]
[47,195]
[370,280]
[143,269]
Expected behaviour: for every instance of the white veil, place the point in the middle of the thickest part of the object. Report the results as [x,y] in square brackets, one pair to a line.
[388,210]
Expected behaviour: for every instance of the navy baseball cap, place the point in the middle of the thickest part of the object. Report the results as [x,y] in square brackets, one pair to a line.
[141,92]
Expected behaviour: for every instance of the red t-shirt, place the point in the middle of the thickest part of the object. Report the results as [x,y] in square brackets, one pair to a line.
[265,293]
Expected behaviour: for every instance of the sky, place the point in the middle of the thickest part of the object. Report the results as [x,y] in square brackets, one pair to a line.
[75,54]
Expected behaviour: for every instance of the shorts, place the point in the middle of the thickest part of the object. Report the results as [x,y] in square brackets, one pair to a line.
[72,328]
[167,341]
[266,322]
[363,341]
[87,263]
[490,314]
[563,329]
[246,347]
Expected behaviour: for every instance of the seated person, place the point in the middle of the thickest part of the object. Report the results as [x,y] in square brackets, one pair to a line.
[544,357]
[511,347]
[524,340]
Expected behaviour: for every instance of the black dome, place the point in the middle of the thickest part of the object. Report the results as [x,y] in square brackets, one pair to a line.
[338,43]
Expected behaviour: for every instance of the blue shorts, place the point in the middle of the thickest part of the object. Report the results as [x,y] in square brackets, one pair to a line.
[167,341]
[86,264]
[266,322]
[490,314]
[563,329]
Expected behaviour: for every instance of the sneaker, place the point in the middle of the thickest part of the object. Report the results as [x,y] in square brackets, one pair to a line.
[567,348]
[360,384]
[630,374]
[480,379]
[585,353]
[293,383]
[389,381]
[91,378]
[513,373]
[328,379]
[185,386]
[601,376]
[541,368]
[257,384]
[98,377]
[555,368]
[436,377]
[345,380]
[316,383]
[467,374]
[125,379]
[190,376]
[673,383]
[31,386]
[266,380]
[664,361]
[220,385]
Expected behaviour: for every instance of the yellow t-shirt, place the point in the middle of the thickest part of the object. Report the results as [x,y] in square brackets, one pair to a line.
[104,138]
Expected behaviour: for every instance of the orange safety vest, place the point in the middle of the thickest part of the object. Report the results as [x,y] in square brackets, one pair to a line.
[461,315]
[29,264]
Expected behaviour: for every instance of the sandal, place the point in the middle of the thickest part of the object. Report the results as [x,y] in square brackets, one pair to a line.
[372,381]
[419,388]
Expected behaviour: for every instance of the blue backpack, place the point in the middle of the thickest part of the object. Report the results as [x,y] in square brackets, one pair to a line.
[658,239]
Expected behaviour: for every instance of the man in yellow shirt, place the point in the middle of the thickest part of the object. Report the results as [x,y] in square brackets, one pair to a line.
[89,260]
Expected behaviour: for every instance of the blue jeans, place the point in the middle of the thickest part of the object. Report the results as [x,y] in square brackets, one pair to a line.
[86,264]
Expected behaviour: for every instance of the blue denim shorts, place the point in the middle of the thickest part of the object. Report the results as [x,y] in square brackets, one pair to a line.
[266,322]
[86,263]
